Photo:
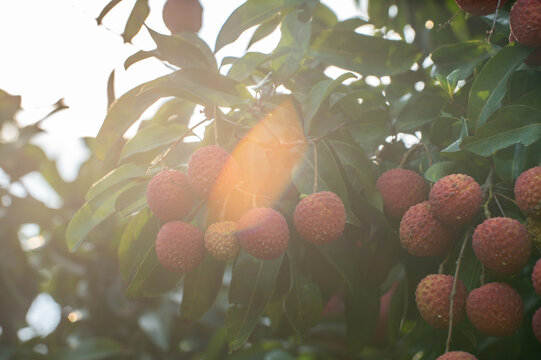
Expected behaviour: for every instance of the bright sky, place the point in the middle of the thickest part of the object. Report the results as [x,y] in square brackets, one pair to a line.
[55,49]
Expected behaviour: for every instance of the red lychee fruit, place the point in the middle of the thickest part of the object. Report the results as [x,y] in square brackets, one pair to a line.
[212,170]
[525,22]
[320,218]
[179,246]
[182,15]
[455,199]
[432,298]
[221,240]
[536,277]
[528,192]
[263,232]
[502,244]
[169,195]
[479,7]
[457,355]
[495,309]
[536,324]
[535,56]
[422,234]
[401,189]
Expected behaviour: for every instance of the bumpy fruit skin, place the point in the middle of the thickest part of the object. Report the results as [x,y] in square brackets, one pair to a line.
[479,7]
[179,246]
[525,21]
[457,355]
[422,234]
[495,309]
[535,56]
[432,299]
[320,218]
[536,277]
[401,189]
[221,240]
[536,324]
[182,15]
[263,232]
[169,195]
[502,244]
[528,192]
[455,199]
[211,169]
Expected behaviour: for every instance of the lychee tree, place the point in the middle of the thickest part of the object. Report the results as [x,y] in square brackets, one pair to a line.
[277,226]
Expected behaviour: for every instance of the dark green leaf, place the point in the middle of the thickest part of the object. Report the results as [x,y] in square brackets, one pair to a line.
[136,20]
[367,55]
[464,57]
[362,313]
[251,288]
[441,169]
[423,108]
[490,86]
[91,349]
[510,162]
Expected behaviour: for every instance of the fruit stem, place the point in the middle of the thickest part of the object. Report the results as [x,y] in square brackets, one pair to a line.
[448,22]
[453,290]
[314,145]
[443,263]
[487,193]
[500,206]
[491,31]
[414,148]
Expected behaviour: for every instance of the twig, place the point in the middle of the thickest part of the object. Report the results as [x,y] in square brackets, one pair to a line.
[441,26]
[444,262]
[314,145]
[490,196]
[413,149]
[506,198]
[491,31]
[499,206]
[453,291]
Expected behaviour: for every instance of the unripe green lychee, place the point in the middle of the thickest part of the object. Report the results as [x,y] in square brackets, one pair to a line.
[320,218]
[401,189]
[455,199]
[263,232]
[536,324]
[221,240]
[182,15]
[432,299]
[212,170]
[179,246]
[479,7]
[528,192]
[525,22]
[495,309]
[422,234]
[502,244]
[536,277]
[169,195]
[457,355]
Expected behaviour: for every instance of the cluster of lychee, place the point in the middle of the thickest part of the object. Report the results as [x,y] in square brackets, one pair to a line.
[262,231]
[524,21]
[502,245]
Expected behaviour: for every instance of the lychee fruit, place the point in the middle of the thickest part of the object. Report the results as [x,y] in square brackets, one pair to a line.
[536,277]
[263,232]
[495,309]
[502,244]
[401,189]
[169,195]
[320,218]
[182,15]
[179,246]
[525,22]
[455,199]
[479,7]
[433,300]
[534,58]
[212,170]
[422,234]
[536,324]
[528,192]
[457,355]
[221,240]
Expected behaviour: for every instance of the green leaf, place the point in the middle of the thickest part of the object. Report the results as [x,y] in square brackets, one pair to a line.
[367,55]
[200,86]
[490,86]
[265,29]
[132,200]
[423,108]
[510,162]
[295,40]
[138,230]
[136,20]
[441,169]
[362,313]
[201,287]
[251,288]
[455,146]
[340,254]
[510,125]
[152,137]
[251,13]
[106,10]
[91,349]
[114,177]
[464,57]
[318,94]
[244,66]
